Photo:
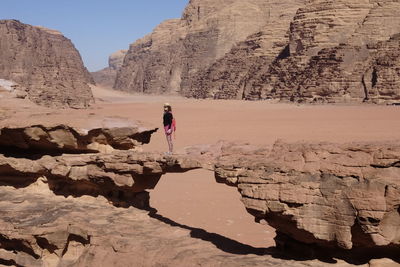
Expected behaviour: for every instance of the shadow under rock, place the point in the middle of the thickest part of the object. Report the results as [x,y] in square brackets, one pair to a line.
[223,243]
[300,252]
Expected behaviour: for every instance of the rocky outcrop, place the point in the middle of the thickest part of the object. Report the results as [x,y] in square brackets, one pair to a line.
[50,140]
[106,77]
[328,195]
[121,176]
[167,60]
[45,64]
[39,228]
[227,77]
[303,51]
[336,51]
[79,210]
[60,208]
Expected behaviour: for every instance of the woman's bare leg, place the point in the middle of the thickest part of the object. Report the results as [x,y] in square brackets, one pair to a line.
[170,144]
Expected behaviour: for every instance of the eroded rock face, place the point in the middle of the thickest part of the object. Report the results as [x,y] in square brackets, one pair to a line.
[62,208]
[303,51]
[167,60]
[39,228]
[106,77]
[329,195]
[228,77]
[79,210]
[121,176]
[40,139]
[336,51]
[45,64]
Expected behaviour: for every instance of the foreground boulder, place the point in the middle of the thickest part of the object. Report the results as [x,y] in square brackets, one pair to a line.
[329,195]
[44,64]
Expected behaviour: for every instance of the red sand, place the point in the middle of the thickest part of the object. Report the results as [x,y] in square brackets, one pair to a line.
[193,198]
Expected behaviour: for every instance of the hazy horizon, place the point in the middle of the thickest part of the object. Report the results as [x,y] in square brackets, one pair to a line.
[96,28]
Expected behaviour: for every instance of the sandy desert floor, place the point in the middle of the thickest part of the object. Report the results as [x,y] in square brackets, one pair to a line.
[194,198]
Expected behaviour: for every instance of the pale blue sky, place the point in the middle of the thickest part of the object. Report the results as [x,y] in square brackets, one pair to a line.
[96,27]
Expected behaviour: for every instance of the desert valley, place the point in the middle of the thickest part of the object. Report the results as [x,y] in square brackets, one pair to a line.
[286,153]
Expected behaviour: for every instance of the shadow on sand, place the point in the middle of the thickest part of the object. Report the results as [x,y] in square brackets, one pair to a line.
[305,253]
[223,243]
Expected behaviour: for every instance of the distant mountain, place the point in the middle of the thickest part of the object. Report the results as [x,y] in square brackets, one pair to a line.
[106,77]
[303,51]
[45,64]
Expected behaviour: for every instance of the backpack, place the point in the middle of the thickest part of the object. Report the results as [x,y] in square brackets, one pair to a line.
[174,124]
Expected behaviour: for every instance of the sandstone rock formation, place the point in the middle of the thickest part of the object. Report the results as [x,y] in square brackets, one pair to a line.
[122,176]
[330,195]
[227,77]
[304,51]
[62,208]
[45,64]
[58,139]
[336,51]
[63,211]
[106,77]
[167,60]
[39,228]
[14,89]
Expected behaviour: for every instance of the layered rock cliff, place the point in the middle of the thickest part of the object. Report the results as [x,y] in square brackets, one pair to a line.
[106,77]
[329,195]
[336,51]
[45,64]
[227,77]
[305,51]
[166,60]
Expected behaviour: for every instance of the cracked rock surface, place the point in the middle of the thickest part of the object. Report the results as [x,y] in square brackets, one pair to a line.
[331,195]
[302,51]
[82,209]
[39,228]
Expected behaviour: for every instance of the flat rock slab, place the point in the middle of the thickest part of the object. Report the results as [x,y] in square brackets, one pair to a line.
[61,138]
[39,228]
[331,195]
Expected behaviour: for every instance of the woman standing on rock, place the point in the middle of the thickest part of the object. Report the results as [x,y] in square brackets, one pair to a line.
[169,126]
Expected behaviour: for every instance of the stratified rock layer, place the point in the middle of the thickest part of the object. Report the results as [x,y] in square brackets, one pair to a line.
[319,195]
[167,60]
[121,176]
[329,195]
[57,139]
[39,229]
[304,51]
[45,64]
[227,78]
[336,51]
